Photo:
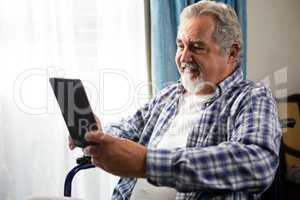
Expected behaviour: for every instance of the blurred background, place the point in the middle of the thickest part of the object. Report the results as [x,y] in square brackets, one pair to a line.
[100,42]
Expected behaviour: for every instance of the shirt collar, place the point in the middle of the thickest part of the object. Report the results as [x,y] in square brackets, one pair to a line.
[230,81]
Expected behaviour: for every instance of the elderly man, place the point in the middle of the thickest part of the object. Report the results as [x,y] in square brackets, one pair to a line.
[212,135]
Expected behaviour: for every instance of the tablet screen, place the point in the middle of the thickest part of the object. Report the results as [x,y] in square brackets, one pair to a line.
[75,108]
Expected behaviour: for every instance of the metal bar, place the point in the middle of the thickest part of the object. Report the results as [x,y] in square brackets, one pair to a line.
[70,176]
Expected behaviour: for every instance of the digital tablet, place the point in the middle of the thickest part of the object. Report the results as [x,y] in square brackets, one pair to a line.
[75,108]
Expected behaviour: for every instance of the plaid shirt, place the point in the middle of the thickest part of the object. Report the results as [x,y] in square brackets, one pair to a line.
[231,152]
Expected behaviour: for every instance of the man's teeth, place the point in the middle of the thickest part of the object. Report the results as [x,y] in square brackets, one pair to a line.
[189,67]
[187,70]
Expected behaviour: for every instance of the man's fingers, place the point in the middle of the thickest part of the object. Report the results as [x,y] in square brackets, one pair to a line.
[97,162]
[98,123]
[71,143]
[92,150]
[95,153]
[97,119]
[94,136]
[72,146]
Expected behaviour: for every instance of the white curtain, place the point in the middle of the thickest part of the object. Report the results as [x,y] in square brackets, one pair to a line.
[101,42]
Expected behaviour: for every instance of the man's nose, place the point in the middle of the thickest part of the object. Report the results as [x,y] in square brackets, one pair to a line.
[186,56]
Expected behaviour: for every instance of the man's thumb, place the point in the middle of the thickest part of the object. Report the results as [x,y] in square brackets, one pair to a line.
[94,136]
[98,123]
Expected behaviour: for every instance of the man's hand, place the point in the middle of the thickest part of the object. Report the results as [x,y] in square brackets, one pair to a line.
[120,157]
[117,156]
[71,143]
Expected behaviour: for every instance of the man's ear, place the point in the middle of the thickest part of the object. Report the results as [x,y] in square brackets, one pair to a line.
[233,53]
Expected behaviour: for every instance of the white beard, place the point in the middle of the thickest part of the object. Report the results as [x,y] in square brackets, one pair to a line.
[190,83]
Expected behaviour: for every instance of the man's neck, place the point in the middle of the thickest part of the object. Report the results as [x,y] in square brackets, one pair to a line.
[206,90]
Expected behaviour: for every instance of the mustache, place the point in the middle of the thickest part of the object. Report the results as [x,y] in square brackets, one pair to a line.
[190,66]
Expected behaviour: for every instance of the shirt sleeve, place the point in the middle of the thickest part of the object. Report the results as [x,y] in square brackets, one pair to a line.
[246,162]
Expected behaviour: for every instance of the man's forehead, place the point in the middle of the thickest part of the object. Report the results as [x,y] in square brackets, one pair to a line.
[190,35]
[193,36]
[196,29]
[190,40]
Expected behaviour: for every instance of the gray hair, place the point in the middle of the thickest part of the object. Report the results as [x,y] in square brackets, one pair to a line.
[227,28]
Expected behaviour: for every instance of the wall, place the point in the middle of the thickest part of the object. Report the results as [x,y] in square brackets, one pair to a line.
[274,44]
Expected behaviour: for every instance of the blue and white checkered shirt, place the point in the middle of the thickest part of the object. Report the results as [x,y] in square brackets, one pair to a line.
[231,152]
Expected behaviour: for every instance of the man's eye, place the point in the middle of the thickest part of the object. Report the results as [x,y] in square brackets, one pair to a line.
[198,49]
[180,47]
